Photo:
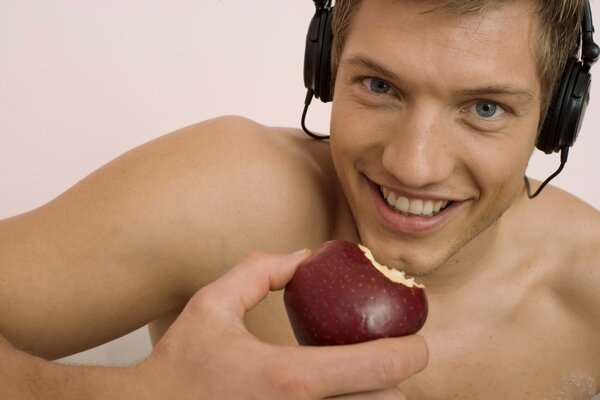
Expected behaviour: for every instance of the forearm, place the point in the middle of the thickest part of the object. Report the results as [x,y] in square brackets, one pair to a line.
[26,377]
[59,296]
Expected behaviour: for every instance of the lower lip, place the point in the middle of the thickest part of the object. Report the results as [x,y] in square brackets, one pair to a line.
[411,224]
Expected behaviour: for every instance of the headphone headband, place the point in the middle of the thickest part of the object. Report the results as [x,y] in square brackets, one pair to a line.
[590,51]
[322,4]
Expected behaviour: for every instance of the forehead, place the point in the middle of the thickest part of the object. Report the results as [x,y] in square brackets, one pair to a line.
[495,44]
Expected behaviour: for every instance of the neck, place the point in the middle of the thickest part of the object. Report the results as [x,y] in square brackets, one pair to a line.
[478,259]
[466,265]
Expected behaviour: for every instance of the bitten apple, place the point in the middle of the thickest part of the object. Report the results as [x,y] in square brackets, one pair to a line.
[342,295]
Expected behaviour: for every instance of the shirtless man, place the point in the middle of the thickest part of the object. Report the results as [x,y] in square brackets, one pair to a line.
[429,107]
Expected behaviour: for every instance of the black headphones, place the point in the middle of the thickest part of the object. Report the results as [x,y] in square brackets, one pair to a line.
[317,55]
[565,113]
[572,94]
[317,59]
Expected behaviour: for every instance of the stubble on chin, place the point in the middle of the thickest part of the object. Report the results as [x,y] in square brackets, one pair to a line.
[453,256]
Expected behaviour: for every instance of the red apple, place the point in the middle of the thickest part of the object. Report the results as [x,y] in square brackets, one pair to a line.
[341,295]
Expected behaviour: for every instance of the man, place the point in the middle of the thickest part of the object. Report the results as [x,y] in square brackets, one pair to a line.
[434,118]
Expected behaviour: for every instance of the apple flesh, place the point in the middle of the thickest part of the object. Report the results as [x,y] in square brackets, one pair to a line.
[341,295]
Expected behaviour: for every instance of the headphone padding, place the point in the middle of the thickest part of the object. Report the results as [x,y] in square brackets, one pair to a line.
[317,55]
[549,138]
[574,107]
[325,59]
[312,53]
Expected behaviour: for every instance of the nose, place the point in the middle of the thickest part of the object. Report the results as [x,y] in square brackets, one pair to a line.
[419,150]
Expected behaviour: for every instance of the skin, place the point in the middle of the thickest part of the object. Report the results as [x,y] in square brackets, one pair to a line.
[511,282]
[423,138]
[202,349]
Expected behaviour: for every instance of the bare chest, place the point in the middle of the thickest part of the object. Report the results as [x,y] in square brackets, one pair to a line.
[530,349]
[533,351]
[480,363]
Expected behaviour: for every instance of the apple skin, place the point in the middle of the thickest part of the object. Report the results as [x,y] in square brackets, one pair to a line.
[338,297]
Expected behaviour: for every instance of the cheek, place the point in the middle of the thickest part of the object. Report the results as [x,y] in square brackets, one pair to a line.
[337,127]
[499,170]
[357,132]
[346,132]
[502,157]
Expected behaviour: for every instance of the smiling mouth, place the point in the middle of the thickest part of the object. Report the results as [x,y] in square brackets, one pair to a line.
[413,207]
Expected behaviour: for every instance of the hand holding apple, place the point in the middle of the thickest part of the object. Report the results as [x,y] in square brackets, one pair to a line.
[342,295]
[209,354]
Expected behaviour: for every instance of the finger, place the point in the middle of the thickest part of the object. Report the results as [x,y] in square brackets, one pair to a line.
[393,393]
[363,367]
[249,282]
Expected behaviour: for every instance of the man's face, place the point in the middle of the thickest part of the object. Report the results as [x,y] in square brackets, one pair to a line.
[432,111]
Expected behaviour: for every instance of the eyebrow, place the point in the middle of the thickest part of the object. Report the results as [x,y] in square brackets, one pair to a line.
[362,61]
[513,91]
[502,90]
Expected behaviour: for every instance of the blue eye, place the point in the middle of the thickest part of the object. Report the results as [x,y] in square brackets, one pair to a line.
[378,86]
[488,109]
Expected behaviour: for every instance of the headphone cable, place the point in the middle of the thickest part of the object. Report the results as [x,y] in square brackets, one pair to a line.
[564,155]
[309,95]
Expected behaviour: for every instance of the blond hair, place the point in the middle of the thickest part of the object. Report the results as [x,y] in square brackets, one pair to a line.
[558,37]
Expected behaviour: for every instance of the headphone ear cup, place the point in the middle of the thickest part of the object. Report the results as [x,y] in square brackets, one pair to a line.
[312,52]
[575,106]
[566,111]
[317,55]
[548,136]
[325,92]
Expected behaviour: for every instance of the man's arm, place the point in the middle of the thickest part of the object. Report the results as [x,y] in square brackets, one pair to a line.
[137,238]
[25,377]
[209,354]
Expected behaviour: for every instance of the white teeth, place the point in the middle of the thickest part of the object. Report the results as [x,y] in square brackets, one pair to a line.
[416,207]
[427,207]
[404,205]
[391,199]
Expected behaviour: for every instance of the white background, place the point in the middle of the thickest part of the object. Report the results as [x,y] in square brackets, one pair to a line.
[83,81]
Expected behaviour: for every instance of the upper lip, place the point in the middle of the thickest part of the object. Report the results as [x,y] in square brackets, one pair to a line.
[415,195]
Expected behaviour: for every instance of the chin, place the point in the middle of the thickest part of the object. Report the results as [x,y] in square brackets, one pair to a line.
[424,256]
[467,234]
[416,259]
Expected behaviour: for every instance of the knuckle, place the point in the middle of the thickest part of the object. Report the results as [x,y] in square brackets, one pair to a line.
[388,370]
[201,303]
[199,299]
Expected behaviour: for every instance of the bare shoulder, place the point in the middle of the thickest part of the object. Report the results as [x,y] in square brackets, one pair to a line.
[574,221]
[571,232]
[253,187]
[565,217]
[141,234]
[249,187]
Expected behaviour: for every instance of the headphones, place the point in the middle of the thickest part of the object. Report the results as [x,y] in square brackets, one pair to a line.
[566,111]
[572,95]
[317,55]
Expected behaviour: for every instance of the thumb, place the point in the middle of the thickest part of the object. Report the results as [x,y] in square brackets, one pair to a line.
[249,282]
